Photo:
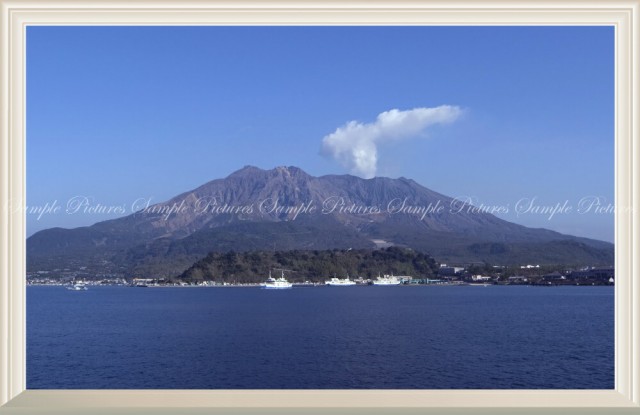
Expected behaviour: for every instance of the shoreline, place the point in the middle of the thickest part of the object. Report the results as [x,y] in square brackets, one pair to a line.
[323,285]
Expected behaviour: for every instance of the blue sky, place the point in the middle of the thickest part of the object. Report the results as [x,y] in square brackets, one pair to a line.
[120,113]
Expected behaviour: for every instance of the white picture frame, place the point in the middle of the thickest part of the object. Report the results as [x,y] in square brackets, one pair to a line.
[16,15]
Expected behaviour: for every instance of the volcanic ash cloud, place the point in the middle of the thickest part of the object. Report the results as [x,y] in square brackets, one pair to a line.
[355,144]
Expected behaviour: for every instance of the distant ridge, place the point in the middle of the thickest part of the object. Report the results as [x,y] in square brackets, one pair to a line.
[256,210]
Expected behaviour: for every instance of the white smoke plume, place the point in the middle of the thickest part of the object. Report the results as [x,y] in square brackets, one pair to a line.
[355,145]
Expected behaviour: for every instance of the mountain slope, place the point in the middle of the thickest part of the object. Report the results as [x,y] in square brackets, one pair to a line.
[284,209]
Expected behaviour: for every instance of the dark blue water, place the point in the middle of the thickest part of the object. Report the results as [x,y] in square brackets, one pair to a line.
[322,337]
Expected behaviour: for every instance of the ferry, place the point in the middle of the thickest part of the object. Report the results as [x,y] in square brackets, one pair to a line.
[79,286]
[337,282]
[277,283]
[387,280]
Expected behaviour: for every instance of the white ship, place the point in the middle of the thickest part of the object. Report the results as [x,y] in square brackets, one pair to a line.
[387,280]
[80,286]
[337,282]
[277,283]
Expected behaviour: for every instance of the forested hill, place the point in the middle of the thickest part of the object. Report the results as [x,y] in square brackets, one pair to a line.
[315,266]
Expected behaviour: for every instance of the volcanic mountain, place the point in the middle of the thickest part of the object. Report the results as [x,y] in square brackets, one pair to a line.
[285,209]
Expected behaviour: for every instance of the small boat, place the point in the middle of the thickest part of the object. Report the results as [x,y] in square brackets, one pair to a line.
[79,286]
[337,282]
[387,280]
[277,283]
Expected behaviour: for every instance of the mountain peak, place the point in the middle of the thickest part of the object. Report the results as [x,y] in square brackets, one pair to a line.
[255,209]
[290,171]
[279,171]
[248,169]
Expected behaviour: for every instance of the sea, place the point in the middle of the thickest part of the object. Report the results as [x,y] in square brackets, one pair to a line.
[359,337]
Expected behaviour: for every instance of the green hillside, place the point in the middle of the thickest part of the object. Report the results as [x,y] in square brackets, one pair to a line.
[314,266]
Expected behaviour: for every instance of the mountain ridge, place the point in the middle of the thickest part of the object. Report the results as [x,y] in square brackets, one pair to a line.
[255,209]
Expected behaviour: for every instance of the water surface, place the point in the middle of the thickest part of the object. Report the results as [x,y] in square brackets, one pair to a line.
[424,337]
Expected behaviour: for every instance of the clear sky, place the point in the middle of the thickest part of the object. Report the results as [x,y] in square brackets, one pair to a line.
[121,113]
